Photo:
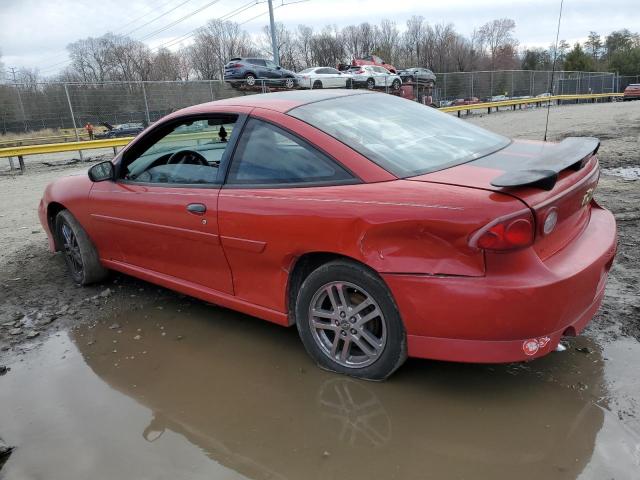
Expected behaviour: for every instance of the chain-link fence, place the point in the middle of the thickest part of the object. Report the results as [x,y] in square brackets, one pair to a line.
[61,106]
[493,85]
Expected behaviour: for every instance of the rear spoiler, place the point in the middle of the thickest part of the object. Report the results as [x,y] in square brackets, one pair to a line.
[569,153]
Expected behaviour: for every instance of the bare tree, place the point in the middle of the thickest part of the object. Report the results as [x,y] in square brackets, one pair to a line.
[496,35]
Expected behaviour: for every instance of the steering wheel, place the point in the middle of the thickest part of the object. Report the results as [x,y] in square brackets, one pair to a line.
[188,157]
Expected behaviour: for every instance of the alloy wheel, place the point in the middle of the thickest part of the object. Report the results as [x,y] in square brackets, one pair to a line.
[72,250]
[251,80]
[347,324]
[289,83]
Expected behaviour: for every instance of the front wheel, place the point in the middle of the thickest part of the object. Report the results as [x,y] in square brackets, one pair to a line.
[79,252]
[289,83]
[349,323]
[371,84]
[395,85]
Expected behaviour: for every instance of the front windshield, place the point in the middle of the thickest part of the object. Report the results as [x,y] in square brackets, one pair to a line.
[404,137]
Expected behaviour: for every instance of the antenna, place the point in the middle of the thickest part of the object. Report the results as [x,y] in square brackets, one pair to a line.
[553,70]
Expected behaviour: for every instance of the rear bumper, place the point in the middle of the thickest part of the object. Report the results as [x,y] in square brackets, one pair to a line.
[518,311]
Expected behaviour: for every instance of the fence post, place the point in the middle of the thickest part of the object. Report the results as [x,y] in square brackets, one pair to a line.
[73,119]
[471,85]
[211,90]
[531,83]
[512,74]
[146,104]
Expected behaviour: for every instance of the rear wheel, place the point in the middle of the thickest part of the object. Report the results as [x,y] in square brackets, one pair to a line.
[348,321]
[250,79]
[317,84]
[395,85]
[289,82]
[79,252]
[371,84]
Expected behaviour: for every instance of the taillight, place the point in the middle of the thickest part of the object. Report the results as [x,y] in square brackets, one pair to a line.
[506,233]
[234,65]
[359,72]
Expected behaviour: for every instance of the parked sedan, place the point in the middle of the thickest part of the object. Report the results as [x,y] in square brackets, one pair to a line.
[255,71]
[422,76]
[412,234]
[373,77]
[121,130]
[324,77]
[632,92]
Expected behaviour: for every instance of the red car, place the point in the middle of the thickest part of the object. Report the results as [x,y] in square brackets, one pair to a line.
[369,60]
[632,92]
[413,235]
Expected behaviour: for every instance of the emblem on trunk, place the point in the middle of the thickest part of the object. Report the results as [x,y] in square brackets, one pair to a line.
[587,197]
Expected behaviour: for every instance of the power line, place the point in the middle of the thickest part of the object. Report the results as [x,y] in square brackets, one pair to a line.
[157,18]
[195,31]
[166,27]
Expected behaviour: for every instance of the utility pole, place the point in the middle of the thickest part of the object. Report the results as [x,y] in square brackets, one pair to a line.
[274,44]
[15,84]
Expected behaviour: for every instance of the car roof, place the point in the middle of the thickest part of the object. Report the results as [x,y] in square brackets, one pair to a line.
[278,101]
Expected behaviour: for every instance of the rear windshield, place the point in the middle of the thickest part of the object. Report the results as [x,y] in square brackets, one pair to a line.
[307,70]
[404,137]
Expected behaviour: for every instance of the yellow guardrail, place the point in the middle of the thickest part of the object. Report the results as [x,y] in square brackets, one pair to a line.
[20,151]
[63,147]
[527,101]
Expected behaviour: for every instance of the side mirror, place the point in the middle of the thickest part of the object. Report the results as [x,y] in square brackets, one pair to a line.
[101,172]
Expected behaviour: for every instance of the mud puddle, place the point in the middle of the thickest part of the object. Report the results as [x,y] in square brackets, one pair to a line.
[193,391]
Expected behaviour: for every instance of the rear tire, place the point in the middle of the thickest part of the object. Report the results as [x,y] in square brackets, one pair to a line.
[357,332]
[250,79]
[289,82]
[395,85]
[79,252]
[317,84]
[371,83]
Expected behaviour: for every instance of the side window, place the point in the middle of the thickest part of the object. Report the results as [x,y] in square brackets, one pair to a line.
[268,155]
[270,64]
[323,70]
[189,153]
[257,61]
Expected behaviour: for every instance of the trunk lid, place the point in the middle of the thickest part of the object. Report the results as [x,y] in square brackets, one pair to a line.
[546,177]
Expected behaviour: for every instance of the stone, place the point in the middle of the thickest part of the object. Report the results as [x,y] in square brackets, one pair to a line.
[15,331]
[33,334]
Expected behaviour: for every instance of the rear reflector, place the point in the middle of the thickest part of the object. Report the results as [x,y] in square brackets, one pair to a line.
[506,233]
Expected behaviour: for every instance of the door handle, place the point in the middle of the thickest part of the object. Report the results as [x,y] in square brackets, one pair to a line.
[196,208]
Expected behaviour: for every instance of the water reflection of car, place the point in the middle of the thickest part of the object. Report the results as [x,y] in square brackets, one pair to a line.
[121,130]
[255,71]
[419,75]
[324,77]
[372,77]
[252,403]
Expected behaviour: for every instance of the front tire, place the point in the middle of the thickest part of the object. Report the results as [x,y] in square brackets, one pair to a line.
[349,323]
[289,83]
[395,85]
[79,252]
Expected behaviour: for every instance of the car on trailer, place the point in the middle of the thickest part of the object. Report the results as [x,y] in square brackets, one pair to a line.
[254,72]
[324,77]
[411,233]
[121,130]
[373,77]
[369,60]
[418,75]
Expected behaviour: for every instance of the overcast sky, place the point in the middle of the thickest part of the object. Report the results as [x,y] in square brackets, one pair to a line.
[34,33]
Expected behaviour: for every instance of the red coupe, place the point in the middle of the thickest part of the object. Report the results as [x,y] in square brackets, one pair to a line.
[411,234]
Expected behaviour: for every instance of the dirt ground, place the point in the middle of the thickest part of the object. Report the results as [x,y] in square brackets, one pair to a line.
[160,366]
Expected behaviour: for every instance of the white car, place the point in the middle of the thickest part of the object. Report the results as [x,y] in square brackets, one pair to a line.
[372,76]
[323,77]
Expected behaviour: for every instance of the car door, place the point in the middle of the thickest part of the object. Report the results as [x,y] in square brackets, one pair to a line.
[335,78]
[262,210]
[272,70]
[159,218]
[381,76]
[261,67]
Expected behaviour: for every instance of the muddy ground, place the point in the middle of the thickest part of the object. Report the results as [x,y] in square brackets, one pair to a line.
[128,380]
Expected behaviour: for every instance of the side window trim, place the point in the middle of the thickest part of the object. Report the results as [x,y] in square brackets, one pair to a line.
[354,180]
[224,161]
